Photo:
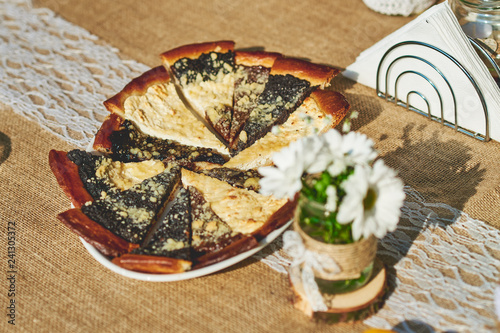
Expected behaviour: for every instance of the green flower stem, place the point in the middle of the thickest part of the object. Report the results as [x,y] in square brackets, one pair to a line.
[314,219]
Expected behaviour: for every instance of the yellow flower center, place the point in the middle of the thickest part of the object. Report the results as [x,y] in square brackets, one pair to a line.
[370,199]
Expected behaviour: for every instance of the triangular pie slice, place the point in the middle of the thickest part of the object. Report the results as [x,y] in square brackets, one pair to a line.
[172,236]
[152,104]
[251,73]
[205,71]
[121,139]
[209,232]
[123,198]
[321,111]
[290,82]
[244,211]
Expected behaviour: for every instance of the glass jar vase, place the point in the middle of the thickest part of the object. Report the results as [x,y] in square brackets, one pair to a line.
[355,259]
[480,20]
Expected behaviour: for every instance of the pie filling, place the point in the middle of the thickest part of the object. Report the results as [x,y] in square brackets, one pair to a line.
[281,96]
[130,145]
[208,84]
[210,232]
[247,179]
[127,211]
[172,238]
[250,83]
[160,112]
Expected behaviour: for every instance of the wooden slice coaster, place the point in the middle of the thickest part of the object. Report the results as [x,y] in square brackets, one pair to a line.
[348,307]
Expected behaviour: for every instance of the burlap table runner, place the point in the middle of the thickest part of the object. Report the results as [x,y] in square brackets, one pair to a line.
[61,288]
[442,165]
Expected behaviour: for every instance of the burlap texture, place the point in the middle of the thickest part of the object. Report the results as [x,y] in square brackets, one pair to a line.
[61,288]
[442,165]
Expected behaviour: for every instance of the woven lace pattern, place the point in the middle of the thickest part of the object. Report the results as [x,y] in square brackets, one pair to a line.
[56,73]
[443,266]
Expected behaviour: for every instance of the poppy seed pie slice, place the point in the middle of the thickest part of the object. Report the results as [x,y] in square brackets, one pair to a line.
[205,73]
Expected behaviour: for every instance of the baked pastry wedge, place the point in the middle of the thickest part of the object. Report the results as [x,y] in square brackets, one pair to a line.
[243,210]
[151,103]
[289,83]
[122,198]
[321,111]
[120,138]
[251,72]
[191,231]
[205,71]
[167,248]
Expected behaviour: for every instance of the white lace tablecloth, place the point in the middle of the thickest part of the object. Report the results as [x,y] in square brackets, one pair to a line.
[443,265]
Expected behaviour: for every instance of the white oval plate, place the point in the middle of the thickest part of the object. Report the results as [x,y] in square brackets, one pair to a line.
[185,275]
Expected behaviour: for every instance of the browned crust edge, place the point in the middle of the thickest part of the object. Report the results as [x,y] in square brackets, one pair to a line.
[102,142]
[93,233]
[256,58]
[242,245]
[331,103]
[68,178]
[193,51]
[137,86]
[317,75]
[277,220]
[151,264]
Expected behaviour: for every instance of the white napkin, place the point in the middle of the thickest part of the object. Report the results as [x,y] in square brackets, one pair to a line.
[439,27]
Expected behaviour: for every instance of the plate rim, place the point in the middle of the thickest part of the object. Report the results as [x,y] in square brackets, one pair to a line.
[106,262]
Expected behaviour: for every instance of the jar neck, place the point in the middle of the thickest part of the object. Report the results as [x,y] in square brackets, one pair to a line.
[481,6]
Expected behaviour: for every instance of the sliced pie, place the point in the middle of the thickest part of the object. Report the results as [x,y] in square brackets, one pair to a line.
[190,231]
[172,237]
[167,248]
[252,72]
[244,211]
[123,198]
[205,72]
[322,110]
[290,82]
[124,142]
[152,104]
[254,104]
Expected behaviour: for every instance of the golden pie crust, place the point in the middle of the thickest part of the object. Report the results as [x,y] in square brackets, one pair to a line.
[193,51]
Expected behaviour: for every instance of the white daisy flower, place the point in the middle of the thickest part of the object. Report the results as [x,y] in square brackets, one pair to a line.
[333,141]
[283,180]
[358,148]
[337,167]
[373,200]
[316,154]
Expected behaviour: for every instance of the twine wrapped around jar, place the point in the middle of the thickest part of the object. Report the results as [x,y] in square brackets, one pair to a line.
[352,258]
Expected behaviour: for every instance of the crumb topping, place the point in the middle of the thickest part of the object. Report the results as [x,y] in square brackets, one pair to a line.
[281,96]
